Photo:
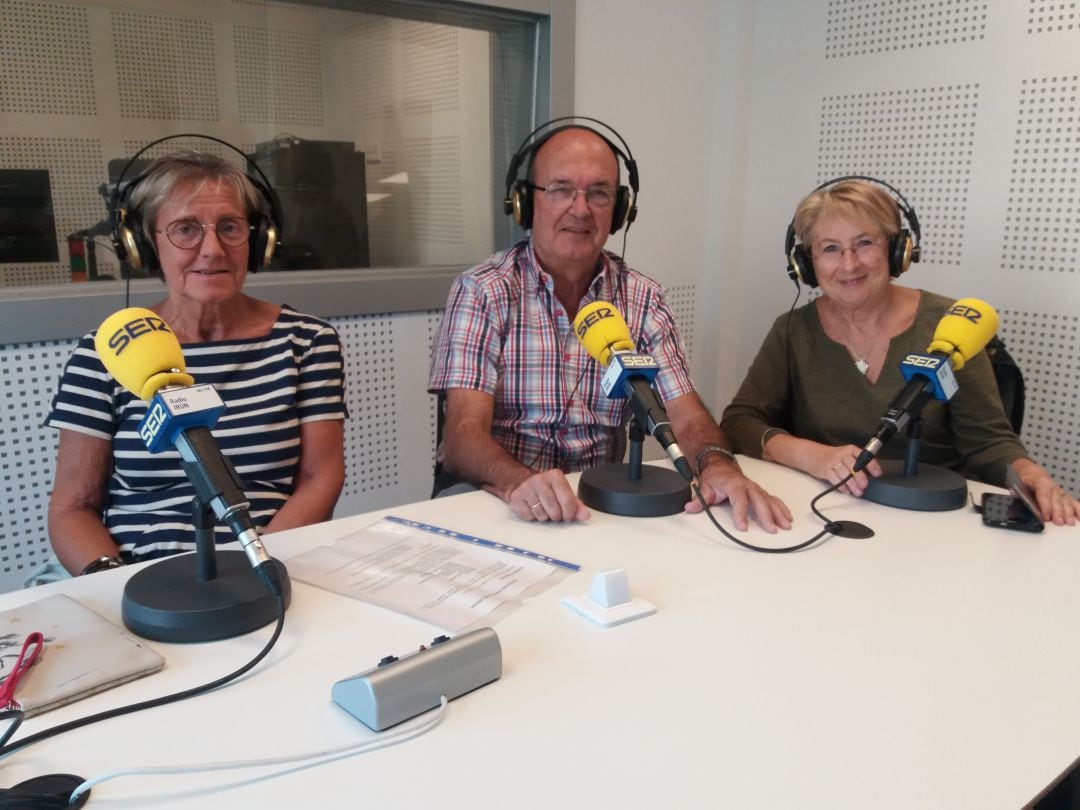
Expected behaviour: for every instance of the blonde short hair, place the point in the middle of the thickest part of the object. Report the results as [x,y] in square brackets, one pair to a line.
[853,199]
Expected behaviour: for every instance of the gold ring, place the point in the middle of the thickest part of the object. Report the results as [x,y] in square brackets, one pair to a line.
[531,508]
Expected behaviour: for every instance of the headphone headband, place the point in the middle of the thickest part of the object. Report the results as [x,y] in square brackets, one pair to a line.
[518,201]
[904,248]
[130,244]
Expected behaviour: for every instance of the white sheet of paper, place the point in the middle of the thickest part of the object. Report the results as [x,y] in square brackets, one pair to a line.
[446,578]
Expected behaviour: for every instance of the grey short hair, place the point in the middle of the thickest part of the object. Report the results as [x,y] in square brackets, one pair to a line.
[159,184]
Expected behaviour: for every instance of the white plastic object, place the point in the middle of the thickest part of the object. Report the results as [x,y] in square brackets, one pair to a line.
[608,601]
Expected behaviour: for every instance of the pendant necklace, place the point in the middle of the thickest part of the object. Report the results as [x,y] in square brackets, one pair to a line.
[860,362]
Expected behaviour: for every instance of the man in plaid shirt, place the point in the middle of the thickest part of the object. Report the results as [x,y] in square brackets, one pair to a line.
[523,397]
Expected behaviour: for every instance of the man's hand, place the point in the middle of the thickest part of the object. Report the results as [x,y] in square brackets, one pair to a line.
[723,480]
[547,496]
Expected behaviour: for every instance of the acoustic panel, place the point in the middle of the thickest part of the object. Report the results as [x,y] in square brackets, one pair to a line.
[859,27]
[28,378]
[1042,214]
[1048,18]
[434,321]
[1047,348]
[429,68]
[920,140]
[165,67]
[279,76]
[435,188]
[682,299]
[371,431]
[44,59]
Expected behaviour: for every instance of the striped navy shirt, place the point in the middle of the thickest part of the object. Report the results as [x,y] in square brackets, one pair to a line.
[270,386]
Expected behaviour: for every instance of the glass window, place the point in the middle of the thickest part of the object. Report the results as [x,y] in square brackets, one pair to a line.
[384,127]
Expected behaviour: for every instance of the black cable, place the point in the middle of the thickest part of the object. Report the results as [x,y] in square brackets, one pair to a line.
[830,526]
[154,702]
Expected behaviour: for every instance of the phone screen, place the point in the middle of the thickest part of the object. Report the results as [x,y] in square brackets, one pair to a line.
[1007,512]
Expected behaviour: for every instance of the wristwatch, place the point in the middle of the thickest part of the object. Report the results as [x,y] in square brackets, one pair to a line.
[101,564]
[714,448]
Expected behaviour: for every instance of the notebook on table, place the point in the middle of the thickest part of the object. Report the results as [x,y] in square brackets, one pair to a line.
[83,654]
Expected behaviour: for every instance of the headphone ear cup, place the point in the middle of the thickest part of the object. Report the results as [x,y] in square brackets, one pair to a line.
[521,204]
[263,243]
[134,248]
[621,212]
[900,250]
[801,266]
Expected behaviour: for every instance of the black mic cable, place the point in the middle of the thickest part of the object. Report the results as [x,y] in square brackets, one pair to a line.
[842,528]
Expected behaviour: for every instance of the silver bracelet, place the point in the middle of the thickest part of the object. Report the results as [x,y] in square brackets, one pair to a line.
[768,434]
[714,448]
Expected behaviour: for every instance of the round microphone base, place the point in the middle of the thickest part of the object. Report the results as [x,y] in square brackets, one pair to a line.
[166,601]
[659,491]
[931,489]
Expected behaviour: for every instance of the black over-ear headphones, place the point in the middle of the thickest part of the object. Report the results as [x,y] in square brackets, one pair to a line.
[518,201]
[904,248]
[135,250]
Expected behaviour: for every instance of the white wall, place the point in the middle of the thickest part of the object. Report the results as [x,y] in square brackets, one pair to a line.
[670,77]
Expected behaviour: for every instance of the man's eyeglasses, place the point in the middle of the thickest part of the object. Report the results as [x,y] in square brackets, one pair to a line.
[187,234]
[564,196]
[832,255]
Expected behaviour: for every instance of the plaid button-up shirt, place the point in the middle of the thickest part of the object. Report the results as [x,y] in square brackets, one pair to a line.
[505,333]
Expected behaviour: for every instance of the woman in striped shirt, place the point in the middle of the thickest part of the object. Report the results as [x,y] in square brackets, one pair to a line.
[280,374]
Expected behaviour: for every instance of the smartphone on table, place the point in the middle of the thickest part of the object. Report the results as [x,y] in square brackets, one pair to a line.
[1017,510]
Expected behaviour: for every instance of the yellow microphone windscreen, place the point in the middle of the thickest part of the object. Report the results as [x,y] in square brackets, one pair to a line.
[964,330]
[601,329]
[141,352]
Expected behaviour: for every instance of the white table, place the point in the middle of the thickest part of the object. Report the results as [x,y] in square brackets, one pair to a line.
[933,666]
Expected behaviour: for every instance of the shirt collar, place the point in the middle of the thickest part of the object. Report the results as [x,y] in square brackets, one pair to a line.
[601,288]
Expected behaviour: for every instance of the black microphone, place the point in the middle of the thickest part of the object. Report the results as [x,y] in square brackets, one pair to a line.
[963,331]
[606,337]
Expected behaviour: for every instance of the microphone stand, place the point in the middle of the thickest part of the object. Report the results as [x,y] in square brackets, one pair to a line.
[209,595]
[908,484]
[634,489]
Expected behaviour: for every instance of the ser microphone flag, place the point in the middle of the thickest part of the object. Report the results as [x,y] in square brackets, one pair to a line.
[606,337]
[963,331]
[143,354]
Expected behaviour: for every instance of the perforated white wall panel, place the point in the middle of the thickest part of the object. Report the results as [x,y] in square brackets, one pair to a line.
[165,66]
[1047,349]
[1042,214]
[28,376]
[970,110]
[919,140]
[856,27]
[43,59]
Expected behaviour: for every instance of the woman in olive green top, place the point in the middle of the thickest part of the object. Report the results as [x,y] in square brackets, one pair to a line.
[828,370]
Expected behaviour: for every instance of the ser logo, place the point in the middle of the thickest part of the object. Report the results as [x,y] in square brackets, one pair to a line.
[637,361]
[591,319]
[965,312]
[123,336]
[923,361]
[152,422]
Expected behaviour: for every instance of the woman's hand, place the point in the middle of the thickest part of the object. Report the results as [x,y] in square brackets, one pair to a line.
[833,464]
[1057,505]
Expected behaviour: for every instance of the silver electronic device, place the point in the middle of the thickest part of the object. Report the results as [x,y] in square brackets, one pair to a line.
[402,687]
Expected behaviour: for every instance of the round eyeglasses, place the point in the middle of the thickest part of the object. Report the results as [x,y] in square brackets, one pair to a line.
[563,196]
[187,234]
[832,255]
